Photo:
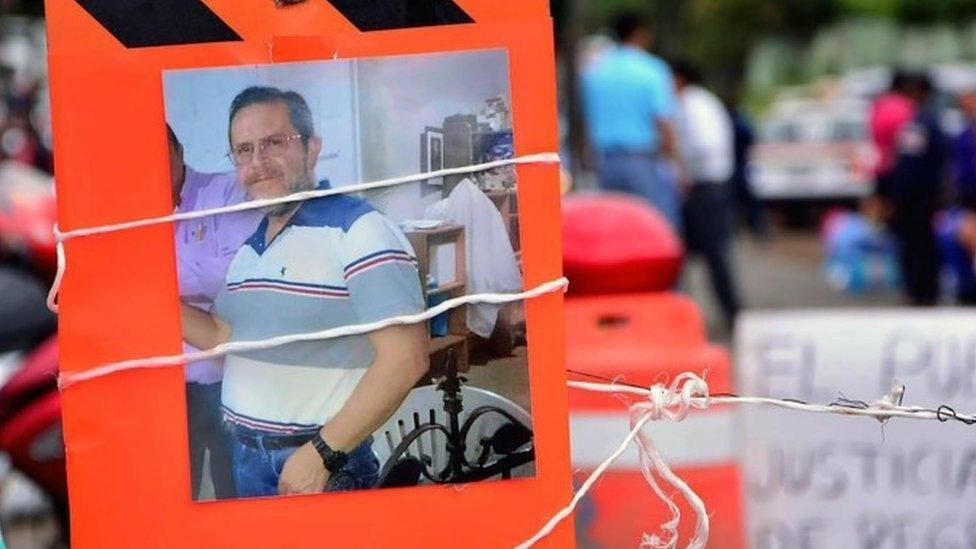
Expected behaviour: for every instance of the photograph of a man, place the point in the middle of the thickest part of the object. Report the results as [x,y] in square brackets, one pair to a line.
[302,415]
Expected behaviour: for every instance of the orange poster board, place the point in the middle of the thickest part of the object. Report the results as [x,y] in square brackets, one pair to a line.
[126,434]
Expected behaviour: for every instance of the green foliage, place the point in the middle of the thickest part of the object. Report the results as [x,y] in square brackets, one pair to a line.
[720,34]
[931,11]
[717,34]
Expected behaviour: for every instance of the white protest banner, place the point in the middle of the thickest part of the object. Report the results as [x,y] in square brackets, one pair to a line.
[814,480]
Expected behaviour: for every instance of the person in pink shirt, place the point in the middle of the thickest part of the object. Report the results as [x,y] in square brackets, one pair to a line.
[204,250]
[890,111]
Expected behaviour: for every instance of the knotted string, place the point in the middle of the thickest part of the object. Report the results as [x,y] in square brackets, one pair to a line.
[689,391]
[672,402]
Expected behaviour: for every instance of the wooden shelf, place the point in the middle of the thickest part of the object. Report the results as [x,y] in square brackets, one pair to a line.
[443,343]
[447,232]
[423,240]
[447,288]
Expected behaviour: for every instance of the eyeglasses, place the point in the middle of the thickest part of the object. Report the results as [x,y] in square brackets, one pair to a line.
[273,145]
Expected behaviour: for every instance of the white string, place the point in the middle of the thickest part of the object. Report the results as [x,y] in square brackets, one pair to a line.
[881,410]
[566,511]
[61,237]
[52,293]
[68,379]
[672,403]
[689,391]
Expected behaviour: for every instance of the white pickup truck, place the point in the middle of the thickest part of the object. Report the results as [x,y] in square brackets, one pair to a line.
[809,149]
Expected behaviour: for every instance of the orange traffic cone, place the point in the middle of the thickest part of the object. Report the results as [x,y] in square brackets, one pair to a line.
[643,339]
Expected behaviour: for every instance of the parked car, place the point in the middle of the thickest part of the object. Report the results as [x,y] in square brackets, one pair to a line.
[809,149]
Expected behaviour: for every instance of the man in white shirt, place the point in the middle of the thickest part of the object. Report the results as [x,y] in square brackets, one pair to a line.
[706,142]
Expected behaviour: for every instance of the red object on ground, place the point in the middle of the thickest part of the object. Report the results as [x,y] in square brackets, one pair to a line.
[33,441]
[30,421]
[644,339]
[615,244]
[38,375]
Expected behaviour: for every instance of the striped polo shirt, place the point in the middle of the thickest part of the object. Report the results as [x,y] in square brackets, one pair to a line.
[337,262]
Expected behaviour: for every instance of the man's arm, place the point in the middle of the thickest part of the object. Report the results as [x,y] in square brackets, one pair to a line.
[669,138]
[664,105]
[669,148]
[401,360]
[201,329]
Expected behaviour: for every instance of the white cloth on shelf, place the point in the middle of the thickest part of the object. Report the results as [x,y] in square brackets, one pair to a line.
[491,265]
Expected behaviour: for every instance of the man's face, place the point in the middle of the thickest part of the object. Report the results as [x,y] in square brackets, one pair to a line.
[266,175]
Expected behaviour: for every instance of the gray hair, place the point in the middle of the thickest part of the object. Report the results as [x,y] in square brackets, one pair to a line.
[298,111]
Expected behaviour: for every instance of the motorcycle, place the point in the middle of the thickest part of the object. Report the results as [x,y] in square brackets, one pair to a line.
[33,482]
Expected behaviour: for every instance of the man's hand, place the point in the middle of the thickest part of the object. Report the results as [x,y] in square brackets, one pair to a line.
[303,473]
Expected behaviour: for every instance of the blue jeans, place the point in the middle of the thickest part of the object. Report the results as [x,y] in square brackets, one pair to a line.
[646,176]
[256,470]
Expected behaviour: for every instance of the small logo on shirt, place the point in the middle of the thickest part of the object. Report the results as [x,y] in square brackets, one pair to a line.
[283,269]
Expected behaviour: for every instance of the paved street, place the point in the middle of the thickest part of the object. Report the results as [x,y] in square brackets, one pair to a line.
[786,273]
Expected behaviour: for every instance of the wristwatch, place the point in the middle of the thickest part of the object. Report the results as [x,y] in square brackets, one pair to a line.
[334,460]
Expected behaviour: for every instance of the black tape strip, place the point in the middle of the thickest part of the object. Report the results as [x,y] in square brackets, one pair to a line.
[373,15]
[145,23]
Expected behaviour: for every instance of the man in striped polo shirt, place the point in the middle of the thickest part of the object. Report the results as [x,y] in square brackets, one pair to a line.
[303,414]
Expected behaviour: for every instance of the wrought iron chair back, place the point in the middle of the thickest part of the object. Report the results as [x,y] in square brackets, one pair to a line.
[422,417]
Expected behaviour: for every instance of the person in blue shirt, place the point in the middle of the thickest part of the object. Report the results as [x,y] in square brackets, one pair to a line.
[746,201]
[628,103]
[959,220]
[964,154]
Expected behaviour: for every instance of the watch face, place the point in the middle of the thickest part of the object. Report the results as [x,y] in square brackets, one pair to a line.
[335,461]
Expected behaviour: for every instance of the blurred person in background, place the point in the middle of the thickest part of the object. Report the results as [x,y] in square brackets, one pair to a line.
[706,140]
[747,203]
[964,246]
[889,113]
[955,231]
[915,192]
[628,102]
[964,154]
[957,227]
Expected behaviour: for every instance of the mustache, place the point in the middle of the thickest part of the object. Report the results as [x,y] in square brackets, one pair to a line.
[268,174]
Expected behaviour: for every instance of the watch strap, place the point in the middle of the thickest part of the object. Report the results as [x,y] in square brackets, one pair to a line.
[334,460]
